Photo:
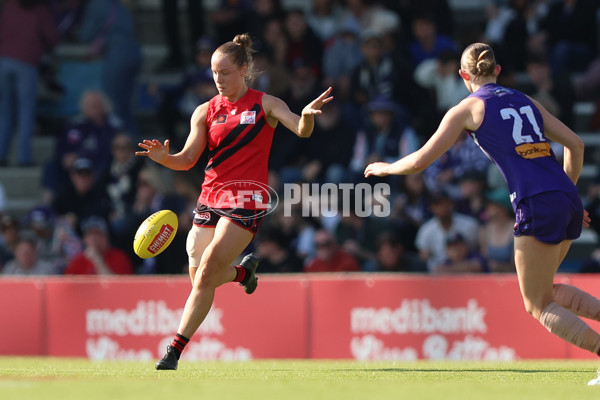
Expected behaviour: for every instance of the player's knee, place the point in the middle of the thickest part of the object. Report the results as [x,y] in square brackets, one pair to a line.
[535,307]
[211,270]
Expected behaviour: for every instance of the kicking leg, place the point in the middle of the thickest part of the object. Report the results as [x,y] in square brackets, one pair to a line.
[215,269]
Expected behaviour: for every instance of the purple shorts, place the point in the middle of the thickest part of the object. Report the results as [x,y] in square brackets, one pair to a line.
[550,217]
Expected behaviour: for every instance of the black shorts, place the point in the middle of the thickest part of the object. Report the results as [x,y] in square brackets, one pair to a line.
[247,219]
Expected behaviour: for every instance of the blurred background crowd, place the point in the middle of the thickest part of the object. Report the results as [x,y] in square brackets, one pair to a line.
[83,75]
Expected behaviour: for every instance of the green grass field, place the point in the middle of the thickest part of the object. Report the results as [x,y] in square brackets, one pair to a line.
[25,378]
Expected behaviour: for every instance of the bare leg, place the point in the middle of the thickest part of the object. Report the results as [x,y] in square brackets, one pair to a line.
[197,241]
[536,264]
[215,269]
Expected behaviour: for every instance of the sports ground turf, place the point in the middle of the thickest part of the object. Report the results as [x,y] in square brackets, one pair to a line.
[26,378]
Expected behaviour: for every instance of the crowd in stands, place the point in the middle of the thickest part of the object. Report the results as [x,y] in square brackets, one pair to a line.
[393,66]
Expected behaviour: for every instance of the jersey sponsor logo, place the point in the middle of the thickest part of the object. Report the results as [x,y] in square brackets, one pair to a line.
[220,119]
[248,118]
[533,150]
[204,216]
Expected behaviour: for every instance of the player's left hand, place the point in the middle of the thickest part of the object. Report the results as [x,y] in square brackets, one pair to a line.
[314,107]
[155,150]
[376,169]
[586,219]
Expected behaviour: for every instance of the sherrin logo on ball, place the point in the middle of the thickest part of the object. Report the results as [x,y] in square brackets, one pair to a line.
[155,234]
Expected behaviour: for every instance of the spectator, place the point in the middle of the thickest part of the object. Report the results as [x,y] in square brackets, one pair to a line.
[154,192]
[441,11]
[342,57]
[377,74]
[331,132]
[2,200]
[66,242]
[290,153]
[439,76]
[27,31]
[357,233]
[274,42]
[496,239]
[195,87]
[388,135]
[273,78]
[57,241]
[256,17]
[120,178]
[372,16]
[391,255]
[427,42]
[471,201]
[303,45]
[171,23]
[40,220]
[99,256]
[447,171]
[110,31]
[460,258]
[557,94]
[508,28]
[324,18]
[83,196]
[330,257]
[27,261]
[410,208]
[570,28]
[88,135]
[275,256]
[432,235]
[298,229]
[228,18]
[11,235]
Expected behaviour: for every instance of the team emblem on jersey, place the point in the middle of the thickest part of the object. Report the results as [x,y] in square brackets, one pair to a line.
[248,117]
[220,119]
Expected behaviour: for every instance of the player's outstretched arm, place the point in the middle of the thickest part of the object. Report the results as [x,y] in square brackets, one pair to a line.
[193,148]
[301,125]
[452,125]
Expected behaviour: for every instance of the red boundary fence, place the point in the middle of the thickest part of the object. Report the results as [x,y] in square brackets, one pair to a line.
[355,316]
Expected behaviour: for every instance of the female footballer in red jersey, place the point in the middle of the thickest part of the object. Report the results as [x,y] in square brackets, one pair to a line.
[237,125]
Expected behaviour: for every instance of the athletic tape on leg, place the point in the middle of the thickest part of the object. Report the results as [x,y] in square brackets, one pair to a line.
[568,326]
[574,299]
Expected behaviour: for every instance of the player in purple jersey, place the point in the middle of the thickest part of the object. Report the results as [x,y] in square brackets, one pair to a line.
[514,130]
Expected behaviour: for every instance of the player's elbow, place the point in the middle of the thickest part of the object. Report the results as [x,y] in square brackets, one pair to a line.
[579,146]
[304,134]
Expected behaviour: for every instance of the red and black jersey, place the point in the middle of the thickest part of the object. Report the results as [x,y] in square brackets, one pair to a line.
[239,142]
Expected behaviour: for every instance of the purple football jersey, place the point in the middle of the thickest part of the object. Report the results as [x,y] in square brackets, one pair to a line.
[512,135]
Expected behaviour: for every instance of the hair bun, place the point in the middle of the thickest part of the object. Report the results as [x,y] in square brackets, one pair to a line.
[243,40]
